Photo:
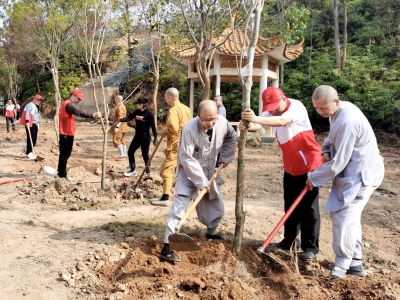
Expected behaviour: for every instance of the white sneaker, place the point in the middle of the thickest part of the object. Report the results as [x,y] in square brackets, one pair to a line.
[31,156]
[130,173]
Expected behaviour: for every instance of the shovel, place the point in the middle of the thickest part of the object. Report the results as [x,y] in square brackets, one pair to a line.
[282,221]
[148,163]
[183,242]
[37,158]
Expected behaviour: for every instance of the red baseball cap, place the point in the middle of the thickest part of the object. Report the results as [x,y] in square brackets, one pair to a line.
[271,98]
[37,97]
[78,93]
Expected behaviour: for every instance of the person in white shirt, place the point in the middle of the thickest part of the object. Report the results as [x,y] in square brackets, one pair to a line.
[9,113]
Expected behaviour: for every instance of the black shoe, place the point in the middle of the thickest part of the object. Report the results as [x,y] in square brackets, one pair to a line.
[148,170]
[215,237]
[281,245]
[168,254]
[164,197]
[307,256]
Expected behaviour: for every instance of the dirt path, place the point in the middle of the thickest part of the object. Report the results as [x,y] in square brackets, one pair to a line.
[108,244]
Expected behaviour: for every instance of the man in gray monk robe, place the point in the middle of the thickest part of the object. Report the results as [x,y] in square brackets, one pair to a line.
[202,138]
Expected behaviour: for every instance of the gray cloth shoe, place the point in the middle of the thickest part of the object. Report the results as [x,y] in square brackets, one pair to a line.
[357,270]
[337,273]
[307,256]
[164,203]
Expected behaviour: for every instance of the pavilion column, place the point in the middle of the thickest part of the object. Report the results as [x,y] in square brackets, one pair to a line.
[263,85]
[191,96]
[275,83]
[217,77]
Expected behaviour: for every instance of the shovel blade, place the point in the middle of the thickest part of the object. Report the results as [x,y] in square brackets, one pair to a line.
[272,259]
[39,159]
[182,242]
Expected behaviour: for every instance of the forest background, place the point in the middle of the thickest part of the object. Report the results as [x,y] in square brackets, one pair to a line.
[352,45]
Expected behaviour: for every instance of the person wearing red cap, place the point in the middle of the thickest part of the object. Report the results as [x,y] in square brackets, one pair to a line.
[31,119]
[300,154]
[67,127]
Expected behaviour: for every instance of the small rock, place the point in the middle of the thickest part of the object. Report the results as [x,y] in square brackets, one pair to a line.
[122,287]
[169,286]
[124,245]
[161,289]
[100,265]
[161,271]
[180,295]
[128,233]
[65,275]
[71,283]
[130,239]
[384,271]
[80,266]
[367,245]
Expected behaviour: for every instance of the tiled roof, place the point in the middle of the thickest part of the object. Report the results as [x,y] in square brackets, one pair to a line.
[233,44]
[292,52]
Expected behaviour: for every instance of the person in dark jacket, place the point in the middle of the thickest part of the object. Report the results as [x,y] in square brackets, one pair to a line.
[144,119]
[67,127]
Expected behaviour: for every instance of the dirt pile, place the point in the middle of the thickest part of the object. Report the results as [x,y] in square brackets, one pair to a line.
[132,270]
[148,188]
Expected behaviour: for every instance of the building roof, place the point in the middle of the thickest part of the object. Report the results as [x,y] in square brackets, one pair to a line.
[231,43]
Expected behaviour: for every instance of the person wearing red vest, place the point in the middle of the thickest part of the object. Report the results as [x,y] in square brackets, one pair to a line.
[67,126]
[9,113]
[300,154]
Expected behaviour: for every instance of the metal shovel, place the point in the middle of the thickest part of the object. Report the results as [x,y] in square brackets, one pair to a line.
[37,158]
[183,242]
[283,220]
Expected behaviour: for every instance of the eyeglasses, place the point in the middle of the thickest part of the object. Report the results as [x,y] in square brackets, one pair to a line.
[211,120]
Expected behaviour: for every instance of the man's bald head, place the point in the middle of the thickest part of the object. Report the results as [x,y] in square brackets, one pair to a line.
[326,93]
[325,100]
[171,95]
[208,114]
[207,106]
[118,99]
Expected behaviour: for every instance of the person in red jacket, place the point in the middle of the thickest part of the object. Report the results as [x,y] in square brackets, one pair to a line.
[67,126]
[300,154]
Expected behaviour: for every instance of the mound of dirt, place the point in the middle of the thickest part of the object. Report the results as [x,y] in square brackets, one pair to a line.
[132,270]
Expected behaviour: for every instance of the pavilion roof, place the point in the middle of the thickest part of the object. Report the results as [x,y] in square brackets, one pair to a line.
[231,44]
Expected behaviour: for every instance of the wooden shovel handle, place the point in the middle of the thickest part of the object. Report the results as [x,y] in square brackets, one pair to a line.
[30,138]
[148,163]
[198,199]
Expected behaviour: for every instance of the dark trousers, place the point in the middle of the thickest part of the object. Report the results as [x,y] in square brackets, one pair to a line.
[142,141]
[305,217]
[66,143]
[18,115]
[8,121]
[34,133]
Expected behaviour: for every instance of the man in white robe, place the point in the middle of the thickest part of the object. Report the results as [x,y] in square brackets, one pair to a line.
[202,138]
[351,159]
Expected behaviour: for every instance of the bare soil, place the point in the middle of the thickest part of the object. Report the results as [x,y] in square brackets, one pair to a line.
[72,240]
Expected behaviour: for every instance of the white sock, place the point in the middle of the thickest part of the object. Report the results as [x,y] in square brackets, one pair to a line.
[125,153]
[121,150]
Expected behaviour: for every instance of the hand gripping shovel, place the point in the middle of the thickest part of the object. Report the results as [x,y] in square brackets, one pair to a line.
[183,242]
[283,220]
[37,158]
[148,163]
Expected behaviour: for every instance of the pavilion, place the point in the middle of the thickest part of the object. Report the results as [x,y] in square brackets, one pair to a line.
[269,55]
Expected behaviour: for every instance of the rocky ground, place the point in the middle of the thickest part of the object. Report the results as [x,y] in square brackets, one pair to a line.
[73,240]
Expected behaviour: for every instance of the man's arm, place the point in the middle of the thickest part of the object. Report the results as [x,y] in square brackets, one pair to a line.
[72,110]
[128,118]
[345,139]
[273,121]
[172,123]
[153,126]
[191,166]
